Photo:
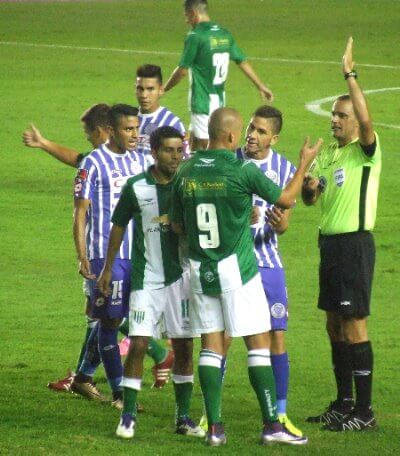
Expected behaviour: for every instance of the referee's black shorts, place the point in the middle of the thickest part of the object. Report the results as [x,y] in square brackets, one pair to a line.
[345,273]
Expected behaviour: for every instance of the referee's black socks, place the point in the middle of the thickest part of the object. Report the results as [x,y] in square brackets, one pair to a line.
[362,366]
[342,368]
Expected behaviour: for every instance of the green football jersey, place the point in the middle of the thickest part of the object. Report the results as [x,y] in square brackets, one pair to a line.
[212,198]
[350,198]
[208,49]
[155,250]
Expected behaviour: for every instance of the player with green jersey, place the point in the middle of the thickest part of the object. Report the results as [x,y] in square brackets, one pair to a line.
[345,178]
[206,55]
[159,286]
[211,204]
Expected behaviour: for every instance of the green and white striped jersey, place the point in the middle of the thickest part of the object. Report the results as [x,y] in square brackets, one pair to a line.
[155,250]
[212,198]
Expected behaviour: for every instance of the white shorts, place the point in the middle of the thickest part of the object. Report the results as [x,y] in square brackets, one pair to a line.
[199,122]
[163,310]
[199,125]
[241,312]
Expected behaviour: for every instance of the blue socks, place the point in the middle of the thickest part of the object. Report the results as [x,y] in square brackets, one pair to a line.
[280,367]
[109,352]
[91,359]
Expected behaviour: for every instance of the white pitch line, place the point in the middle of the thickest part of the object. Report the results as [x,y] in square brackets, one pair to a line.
[315,106]
[139,51]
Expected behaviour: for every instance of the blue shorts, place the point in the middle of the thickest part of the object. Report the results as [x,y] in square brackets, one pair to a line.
[274,283]
[117,304]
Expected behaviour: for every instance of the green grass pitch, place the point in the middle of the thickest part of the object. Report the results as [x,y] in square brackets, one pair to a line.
[56,59]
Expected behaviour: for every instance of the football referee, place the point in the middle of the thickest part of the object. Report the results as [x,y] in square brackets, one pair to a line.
[345,178]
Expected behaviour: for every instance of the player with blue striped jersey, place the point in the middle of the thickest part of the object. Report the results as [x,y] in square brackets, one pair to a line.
[149,90]
[100,179]
[263,133]
[97,189]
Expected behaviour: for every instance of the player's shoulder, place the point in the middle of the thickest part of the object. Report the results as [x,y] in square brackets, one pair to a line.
[281,159]
[92,158]
[139,178]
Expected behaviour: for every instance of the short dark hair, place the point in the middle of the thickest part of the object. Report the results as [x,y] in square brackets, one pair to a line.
[121,110]
[195,4]
[345,97]
[149,71]
[96,116]
[161,133]
[268,112]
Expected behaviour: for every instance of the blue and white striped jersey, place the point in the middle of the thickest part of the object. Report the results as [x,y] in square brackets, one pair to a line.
[280,171]
[163,117]
[100,178]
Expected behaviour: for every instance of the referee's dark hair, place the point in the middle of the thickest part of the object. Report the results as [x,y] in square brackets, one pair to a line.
[345,97]
[121,110]
[157,136]
[268,112]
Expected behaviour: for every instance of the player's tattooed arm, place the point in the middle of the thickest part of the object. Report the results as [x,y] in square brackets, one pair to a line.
[33,138]
[176,77]
[248,70]
[79,229]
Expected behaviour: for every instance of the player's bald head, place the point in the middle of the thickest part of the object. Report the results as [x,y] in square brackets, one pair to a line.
[223,122]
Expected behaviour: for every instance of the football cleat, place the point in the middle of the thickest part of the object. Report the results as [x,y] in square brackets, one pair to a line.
[284,420]
[185,426]
[126,427]
[162,370]
[88,390]
[216,435]
[204,423]
[278,433]
[63,384]
[335,413]
[354,422]
[118,404]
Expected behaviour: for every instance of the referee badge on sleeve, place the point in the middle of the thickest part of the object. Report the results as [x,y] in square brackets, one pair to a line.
[339,176]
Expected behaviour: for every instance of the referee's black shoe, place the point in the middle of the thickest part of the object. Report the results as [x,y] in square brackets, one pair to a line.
[355,421]
[336,412]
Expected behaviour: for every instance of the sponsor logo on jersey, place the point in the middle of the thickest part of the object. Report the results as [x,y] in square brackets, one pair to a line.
[273,175]
[209,277]
[339,176]
[100,302]
[82,174]
[206,162]
[138,316]
[278,310]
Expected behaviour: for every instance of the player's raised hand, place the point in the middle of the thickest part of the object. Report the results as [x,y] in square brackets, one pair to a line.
[347,61]
[32,137]
[266,94]
[309,151]
[84,269]
[103,282]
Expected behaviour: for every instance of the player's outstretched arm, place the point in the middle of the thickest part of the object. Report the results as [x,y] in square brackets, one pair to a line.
[360,106]
[116,237]
[307,155]
[33,138]
[176,77]
[248,70]
[79,230]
